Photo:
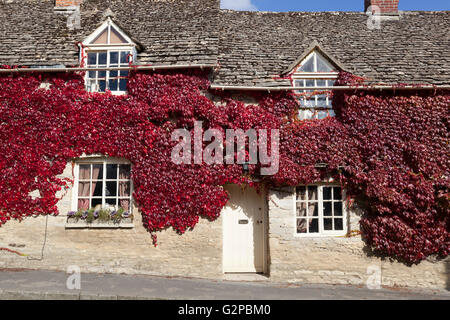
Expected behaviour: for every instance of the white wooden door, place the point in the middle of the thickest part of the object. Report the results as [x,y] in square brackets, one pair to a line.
[243,231]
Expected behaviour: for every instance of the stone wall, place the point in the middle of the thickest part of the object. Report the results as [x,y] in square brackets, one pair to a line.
[131,251]
[337,260]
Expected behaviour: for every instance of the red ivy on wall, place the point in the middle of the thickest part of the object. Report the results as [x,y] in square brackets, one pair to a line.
[389,151]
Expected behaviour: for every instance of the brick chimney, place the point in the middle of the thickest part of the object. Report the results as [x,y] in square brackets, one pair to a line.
[387,7]
[67,3]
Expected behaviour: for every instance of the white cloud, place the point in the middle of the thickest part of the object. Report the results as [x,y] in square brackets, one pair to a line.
[238,5]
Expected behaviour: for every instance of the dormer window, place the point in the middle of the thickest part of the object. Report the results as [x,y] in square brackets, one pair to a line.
[105,50]
[313,72]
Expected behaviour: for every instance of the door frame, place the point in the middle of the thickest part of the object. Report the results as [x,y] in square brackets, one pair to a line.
[265,225]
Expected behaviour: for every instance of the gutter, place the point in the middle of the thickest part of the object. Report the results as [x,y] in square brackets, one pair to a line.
[361,87]
[224,87]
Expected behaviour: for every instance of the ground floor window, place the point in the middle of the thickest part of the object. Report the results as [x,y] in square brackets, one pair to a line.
[103,184]
[320,210]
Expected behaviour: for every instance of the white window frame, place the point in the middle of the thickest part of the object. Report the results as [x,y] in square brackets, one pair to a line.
[322,233]
[107,50]
[104,161]
[299,76]
[87,47]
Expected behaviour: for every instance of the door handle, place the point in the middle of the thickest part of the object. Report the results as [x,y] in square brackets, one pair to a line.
[260,221]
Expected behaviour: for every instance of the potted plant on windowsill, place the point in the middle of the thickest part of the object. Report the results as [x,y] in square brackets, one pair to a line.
[100,218]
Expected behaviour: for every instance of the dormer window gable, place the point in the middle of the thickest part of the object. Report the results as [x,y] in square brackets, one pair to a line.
[105,49]
[315,62]
[314,69]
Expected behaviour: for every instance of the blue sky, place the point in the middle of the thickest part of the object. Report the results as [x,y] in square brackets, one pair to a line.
[327,5]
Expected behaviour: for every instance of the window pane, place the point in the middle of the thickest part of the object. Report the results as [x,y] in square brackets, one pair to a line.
[113,74]
[124,73]
[124,189]
[327,193]
[84,189]
[92,74]
[113,85]
[96,202]
[310,83]
[310,102]
[327,210]
[111,202]
[111,189]
[338,224]
[301,193]
[83,204]
[98,188]
[114,57]
[306,114]
[301,226]
[97,173]
[314,226]
[321,83]
[313,209]
[102,74]
[125,204]
[331,83]
[338,209]
[323,65]
[92,85]
[301,209]
[124,171]
[321,100]
[328,224]
[111,171]
[123,85]
[312,193]
[92,58]
[308,66]
[102,58]
[337,193]
[124,56]
[85,172]
[322,114]
[102,86]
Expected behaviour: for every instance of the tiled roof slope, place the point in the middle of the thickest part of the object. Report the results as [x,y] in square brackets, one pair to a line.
[170,32]
[255,46]
[251,47]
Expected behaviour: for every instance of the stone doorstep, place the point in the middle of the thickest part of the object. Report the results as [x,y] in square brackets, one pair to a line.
[246,277]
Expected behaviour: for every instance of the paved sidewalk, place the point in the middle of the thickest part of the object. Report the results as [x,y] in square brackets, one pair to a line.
[52,285]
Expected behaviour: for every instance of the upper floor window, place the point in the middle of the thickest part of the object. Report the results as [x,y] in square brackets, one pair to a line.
[112,80]
[320,210]
[108,48]
[313,72]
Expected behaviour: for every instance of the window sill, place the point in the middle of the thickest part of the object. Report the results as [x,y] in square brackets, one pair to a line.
[82,224]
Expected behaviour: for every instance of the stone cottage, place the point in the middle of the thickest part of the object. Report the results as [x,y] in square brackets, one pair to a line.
[260,233]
